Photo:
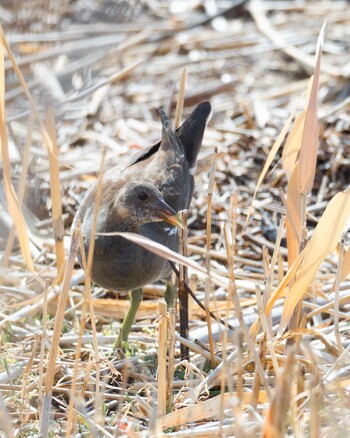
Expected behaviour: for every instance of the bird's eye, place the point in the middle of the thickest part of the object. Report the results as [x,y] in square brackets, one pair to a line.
[143,196]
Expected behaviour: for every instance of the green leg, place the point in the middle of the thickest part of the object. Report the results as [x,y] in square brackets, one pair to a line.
[169,294]
[135,297]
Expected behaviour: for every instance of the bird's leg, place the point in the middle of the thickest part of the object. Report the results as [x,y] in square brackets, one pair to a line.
[135,297]
[169,294]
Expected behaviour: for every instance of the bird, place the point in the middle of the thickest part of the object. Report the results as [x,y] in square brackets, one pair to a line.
[144,196]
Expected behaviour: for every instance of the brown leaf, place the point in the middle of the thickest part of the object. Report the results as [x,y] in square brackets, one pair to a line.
[293,218]
[324,240]
[309,142]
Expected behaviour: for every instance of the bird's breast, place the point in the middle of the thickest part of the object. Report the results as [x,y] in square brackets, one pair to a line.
[119,264]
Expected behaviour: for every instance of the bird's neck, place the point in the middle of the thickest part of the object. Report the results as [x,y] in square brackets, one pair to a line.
[122,226]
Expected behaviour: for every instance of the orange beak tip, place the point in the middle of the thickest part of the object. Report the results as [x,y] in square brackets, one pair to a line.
[173,219]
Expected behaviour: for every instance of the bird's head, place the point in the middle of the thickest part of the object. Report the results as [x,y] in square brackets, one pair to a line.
[140,203]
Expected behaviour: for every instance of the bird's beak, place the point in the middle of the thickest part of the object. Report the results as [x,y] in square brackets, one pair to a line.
[169,215]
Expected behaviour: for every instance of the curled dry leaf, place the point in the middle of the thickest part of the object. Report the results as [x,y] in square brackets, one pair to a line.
[309,142]
[292,146]
[293,219]
[324,240]
[163,251]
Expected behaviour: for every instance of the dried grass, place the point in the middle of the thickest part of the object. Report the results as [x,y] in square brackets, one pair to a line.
[268,347]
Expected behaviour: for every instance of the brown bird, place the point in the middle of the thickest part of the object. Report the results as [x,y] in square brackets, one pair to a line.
[144,196]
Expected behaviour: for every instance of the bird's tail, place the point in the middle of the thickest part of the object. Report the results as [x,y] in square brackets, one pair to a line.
[191,132]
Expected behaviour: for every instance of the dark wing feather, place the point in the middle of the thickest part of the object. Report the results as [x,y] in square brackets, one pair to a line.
[142,154]
[190,134]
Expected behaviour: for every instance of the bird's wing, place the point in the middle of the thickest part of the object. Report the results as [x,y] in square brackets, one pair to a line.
[142,155]
[190,134]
